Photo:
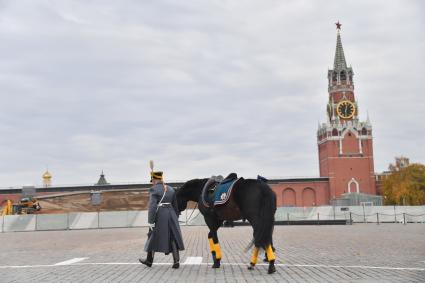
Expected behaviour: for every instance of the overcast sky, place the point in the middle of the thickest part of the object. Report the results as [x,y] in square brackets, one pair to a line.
[200,87]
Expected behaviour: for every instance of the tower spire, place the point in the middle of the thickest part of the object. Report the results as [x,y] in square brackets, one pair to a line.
[368,119]
[102,180]
[339,61]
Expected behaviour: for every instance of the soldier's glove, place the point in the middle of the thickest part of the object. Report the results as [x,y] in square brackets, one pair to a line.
[151,226]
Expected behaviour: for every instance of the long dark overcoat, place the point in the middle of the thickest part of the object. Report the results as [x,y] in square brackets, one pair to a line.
[165,218]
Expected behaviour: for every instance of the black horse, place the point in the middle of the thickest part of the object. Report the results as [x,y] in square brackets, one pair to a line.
[251,199]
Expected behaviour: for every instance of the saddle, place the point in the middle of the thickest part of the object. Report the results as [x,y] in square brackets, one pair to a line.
[262,179]
[208,191]
[217,195]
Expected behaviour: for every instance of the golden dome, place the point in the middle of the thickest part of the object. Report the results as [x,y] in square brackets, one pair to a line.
[47,175]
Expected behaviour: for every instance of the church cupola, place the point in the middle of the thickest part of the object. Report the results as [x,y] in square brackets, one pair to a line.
[47,178]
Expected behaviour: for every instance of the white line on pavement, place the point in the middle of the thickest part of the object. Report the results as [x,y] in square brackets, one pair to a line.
[193,260]
[353,266]
[229,263]
[71,261]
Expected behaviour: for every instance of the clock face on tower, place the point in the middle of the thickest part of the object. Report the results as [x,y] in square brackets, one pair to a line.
[345,109]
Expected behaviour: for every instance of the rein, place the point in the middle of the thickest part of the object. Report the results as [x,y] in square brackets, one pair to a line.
[190,216]
[193,210]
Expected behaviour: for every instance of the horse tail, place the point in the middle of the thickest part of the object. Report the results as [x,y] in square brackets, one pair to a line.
[264,235]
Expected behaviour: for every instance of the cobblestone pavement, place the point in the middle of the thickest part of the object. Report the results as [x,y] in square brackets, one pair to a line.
[357,253]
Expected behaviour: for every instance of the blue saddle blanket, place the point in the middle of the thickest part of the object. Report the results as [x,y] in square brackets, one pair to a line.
[223,192]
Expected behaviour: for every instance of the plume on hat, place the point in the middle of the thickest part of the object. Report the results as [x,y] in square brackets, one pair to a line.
[155,174]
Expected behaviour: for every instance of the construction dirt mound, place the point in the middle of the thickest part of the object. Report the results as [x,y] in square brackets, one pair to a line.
[82,202]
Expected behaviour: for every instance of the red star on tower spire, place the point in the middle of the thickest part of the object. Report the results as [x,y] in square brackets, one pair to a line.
[338,25]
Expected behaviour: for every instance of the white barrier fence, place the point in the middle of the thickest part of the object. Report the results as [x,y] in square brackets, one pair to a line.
[83,220]
[123,219]
[364,214]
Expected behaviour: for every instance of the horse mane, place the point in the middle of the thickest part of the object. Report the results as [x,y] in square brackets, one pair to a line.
[192,186]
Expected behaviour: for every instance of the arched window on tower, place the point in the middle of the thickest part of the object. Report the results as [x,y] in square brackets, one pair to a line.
[343,76]
[364,132]
[334,77]
[334,132]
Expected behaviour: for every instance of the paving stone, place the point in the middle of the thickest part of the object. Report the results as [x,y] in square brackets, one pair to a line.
[353,253]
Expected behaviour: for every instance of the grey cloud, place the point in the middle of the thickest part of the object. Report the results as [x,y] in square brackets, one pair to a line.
[201,88]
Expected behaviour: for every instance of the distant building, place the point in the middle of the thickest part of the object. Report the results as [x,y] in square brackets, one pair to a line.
[400,163]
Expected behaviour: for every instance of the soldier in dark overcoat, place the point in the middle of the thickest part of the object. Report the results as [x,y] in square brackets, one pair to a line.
[164,233]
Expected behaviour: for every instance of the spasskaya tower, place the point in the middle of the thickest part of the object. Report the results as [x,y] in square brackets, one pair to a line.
[344,143]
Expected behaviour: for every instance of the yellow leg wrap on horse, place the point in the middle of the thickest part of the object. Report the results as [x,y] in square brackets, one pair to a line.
[210,240]
[270,253]
[254,256]
[217,251]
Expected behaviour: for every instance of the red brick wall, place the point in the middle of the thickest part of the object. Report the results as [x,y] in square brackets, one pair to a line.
[301,193]
[358,167]
[338,96]
[350,144]
[351,164]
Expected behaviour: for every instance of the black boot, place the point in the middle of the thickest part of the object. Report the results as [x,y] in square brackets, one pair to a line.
[272,268]
[148,261]
[176,256]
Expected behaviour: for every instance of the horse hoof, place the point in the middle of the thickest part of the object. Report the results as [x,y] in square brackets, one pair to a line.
[272,269]
[216,265]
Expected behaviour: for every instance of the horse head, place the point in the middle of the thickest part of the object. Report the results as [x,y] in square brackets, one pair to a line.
[189,191]
[181,198]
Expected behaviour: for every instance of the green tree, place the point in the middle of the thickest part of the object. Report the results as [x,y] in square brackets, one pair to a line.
[405,185]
